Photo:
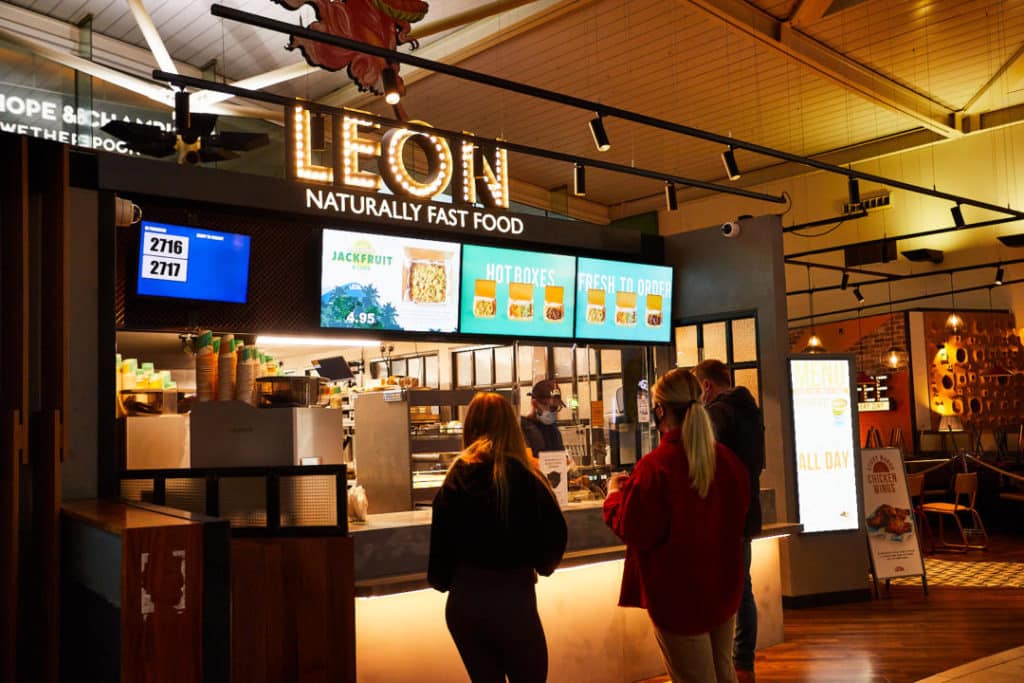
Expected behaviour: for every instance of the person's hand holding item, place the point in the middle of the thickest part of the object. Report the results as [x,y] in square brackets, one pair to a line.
[616,481]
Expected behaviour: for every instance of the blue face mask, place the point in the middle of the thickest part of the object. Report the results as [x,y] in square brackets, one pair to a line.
[548,417]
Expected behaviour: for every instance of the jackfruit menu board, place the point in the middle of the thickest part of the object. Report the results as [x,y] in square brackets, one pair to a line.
[616,301]
[388,283]
[516,293]
[826,448]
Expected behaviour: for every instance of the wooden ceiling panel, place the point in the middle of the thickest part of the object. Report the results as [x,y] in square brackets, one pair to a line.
[945,49]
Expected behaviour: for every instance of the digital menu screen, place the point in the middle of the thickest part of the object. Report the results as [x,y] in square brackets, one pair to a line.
[617,301]
[385,282]
[188,263]
[516,293]
[823,423]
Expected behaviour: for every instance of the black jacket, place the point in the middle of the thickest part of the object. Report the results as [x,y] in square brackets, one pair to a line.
[467,529]
[541,437]
[738,425]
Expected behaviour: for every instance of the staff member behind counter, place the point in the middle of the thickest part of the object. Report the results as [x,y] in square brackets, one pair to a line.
[539,427]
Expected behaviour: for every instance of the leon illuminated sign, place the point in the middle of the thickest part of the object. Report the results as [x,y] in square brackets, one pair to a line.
[476,175]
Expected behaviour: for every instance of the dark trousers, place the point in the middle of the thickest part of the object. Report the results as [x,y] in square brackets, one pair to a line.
[746,621]
[492,616]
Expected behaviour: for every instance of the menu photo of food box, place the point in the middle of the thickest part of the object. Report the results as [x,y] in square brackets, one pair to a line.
[516,293]
[618,301]
[390,283]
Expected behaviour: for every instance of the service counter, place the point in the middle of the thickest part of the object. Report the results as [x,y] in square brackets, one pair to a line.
[589,637]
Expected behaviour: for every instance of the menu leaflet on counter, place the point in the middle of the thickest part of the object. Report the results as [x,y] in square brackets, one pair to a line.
[516,293]
[826,470]
[388,283]
[618,301]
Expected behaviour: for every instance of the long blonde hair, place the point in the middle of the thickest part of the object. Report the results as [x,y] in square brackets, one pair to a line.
[678,391]
[491,431]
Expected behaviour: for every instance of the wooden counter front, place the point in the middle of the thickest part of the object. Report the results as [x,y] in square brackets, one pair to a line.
[157,579]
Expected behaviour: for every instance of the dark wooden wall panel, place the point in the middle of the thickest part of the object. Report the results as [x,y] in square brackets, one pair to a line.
[293,610]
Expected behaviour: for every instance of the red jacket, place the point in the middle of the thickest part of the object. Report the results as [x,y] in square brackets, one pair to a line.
[684,554]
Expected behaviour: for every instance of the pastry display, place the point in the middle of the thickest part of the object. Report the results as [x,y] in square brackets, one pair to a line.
[625,308]
[653,310]
[485,305]
[520,301]
[554,310]
[595,306]
[428,282]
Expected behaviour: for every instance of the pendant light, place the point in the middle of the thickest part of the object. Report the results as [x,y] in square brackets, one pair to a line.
[896,356]
[954,323]
[814,344]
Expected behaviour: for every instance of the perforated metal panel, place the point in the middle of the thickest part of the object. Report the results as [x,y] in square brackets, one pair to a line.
[243,501]
[137,489]
[309,501]
[186,494]
[283,275]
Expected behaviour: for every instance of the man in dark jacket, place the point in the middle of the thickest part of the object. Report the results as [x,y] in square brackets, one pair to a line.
[738,425]
[540,427]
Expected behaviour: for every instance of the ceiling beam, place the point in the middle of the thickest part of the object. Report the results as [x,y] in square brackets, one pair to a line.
[1007,65]
[852,75]
[809,11]
[152,36]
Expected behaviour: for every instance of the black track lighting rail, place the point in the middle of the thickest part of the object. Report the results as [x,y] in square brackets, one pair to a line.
[826,221]
[885,304]
[270,98]
[601,109]
[908,236]
[895,277]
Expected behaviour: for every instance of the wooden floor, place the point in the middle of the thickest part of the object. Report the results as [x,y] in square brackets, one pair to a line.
[903,636]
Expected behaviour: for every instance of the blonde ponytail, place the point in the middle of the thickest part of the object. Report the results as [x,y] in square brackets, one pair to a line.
[699,442]
[680,388]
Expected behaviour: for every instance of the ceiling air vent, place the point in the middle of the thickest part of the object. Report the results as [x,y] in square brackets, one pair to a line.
[869,202]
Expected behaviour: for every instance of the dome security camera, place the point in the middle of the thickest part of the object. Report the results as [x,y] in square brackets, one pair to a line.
[731,229]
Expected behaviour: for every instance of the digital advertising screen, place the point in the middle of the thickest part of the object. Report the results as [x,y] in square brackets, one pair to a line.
[825,431]
[190,263]
[384,282]
[627,302]
[516,293]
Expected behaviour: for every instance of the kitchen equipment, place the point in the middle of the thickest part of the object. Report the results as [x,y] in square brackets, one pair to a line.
[289,391]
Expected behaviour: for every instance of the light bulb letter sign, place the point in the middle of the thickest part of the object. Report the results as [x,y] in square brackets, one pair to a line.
[480,177]
[397,176]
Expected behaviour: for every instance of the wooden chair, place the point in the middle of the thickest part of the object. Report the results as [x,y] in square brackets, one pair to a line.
[965,492]
[915,486]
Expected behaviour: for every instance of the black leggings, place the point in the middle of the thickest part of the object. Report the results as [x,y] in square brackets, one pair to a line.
[493,619]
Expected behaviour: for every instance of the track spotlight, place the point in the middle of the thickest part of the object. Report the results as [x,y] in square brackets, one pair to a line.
[999,275]
[858,295]
[958,216]
[182,120]
[316,132]
[853,190]
[732,170]
[391,92]
[671,203]
[600,136]
[579,181]
[845,281]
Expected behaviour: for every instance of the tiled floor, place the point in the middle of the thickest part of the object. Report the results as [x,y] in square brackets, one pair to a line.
[969,574]
[1005,667]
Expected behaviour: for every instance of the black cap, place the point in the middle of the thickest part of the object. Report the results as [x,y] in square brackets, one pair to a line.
[545,389]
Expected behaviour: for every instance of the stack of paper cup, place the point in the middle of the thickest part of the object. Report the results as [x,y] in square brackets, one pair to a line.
[244,379]
[206,367]
[226,367]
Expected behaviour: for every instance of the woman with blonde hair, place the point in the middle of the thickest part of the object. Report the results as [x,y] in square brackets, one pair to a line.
[681,514]
[496,525]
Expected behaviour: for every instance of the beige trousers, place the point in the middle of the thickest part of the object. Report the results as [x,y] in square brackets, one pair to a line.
[705,658]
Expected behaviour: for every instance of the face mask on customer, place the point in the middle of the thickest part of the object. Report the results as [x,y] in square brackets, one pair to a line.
[548,417]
